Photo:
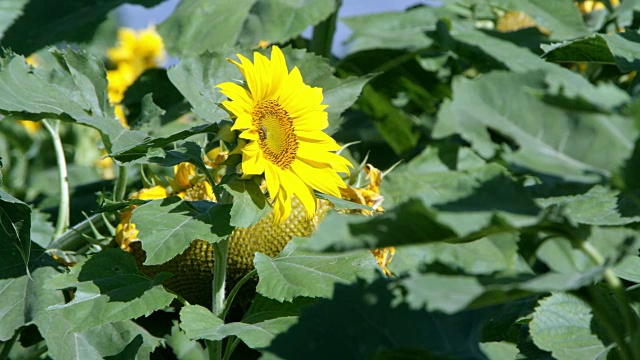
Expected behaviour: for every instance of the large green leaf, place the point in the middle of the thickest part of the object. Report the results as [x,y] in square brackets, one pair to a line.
[22,299]
[547,139]
[97,343]
[249,205]
[109,288]
[188,30]
[598,206]
[561,17]
[480,47]
[10,10]
[150,146]
[365,321]
[76,91]
[15,228]
[45,23]
[200,323]
[620,49]
[494,253]
[391,30]
[167,227]
[298,272]
[562,325]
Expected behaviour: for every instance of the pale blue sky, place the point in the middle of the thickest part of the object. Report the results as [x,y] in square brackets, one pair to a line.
[136,16]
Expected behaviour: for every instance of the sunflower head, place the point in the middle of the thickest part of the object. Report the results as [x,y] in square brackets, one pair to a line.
[282,121]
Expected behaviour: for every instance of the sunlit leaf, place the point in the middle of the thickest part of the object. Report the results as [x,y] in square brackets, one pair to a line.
[167,227]
[109,288]
[200,323]
[188,30]
[297,272]
[46,23]
[562,325]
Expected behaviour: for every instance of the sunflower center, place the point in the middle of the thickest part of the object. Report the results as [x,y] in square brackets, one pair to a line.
[276,138]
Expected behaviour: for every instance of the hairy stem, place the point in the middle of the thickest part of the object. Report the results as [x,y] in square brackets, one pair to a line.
[234,291]
[63,209]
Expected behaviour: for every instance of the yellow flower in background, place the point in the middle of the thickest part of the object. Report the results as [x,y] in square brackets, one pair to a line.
[135,52]
[282,119]
[588,6]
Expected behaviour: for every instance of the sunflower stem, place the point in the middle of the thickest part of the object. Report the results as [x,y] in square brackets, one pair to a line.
[6,347]
[234,292]
[322,39]
[63,209]
[220,252]
[120,187]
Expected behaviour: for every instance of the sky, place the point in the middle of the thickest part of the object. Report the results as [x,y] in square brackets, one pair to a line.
[136,16]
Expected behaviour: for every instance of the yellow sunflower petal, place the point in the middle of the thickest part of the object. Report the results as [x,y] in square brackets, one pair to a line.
[295,185]
[237,93]
[326,181]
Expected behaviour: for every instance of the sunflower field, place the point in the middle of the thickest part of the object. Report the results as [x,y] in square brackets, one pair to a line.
[460,181]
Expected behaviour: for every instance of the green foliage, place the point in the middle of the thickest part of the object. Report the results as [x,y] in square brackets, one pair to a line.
[509,201]
[168,226]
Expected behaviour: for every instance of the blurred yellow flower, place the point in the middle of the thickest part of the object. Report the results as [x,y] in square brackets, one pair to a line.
[282,119]
[135,52]
[588,6]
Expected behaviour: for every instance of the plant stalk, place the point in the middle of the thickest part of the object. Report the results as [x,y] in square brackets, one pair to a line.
[120,187]
[220,252]
[234,291]
[617,287]
[63,209]
[322,38]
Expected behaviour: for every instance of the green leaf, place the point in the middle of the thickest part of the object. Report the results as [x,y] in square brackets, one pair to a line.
[598,206]
[200,323]
[9,12]
[618,48]
[365,321]
[196,78]
[46,23]
[249,205]
[391,122]
[151,146]
[76,93]
[561,17]
[494,253]
[187,152]
[405,224]
[188,30]
[628,269]
[41,229]
[560,255]
[562,324]
[297,272]
[23,299]
[445,293]
[263,308]
[499,350]
[97,343]
[475,44]
[130,351]
[167,227]
[391,30]
[109,288]
[15,226]
[547,139]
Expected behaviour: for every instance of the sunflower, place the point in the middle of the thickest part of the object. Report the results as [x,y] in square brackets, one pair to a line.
[281,119]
